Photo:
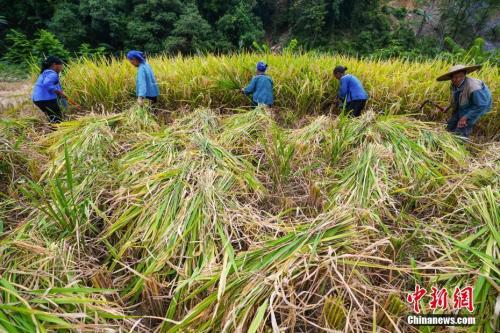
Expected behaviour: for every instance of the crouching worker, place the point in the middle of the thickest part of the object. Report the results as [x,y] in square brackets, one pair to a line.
[145,84]
[47,92]
[470,99]
[261,87]
[351,92]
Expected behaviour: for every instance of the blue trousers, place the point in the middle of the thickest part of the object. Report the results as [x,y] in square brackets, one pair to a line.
[452,126]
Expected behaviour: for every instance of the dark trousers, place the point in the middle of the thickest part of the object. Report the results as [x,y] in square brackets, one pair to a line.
[153,99]
[51,109]
[452,126]
[354,108]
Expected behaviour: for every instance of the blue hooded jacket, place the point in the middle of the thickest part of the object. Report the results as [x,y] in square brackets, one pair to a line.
[351,89]
[46,85]
[146,83]
[261,88]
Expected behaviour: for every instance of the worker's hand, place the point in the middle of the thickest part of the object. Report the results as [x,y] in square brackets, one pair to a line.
[462,122]
[242,90]
[60,93]
[140,101]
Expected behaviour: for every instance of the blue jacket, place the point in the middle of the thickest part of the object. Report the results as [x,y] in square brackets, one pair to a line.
[261,87]
[145,85]
[46,85]
[472,99]
[351,89]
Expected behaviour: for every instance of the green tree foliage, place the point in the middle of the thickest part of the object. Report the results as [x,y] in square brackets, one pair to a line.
[86,50]
[47,44]
[19,47]
[475,54]
[151,22]
[462,20]
[106,21]
[240,26]
[67,25]
[191,33]
[363,27]
[309,19]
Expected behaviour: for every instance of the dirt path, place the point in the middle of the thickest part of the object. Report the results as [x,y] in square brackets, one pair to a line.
[15,97]
[14,93]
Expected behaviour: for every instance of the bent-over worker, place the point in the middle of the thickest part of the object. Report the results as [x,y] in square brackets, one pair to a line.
[261,87]
[351,91]
[470,99]
[47,92]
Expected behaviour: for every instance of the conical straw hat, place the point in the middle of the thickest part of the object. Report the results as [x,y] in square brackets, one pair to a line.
[458,68]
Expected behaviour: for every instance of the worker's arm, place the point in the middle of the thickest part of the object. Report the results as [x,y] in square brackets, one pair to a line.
[141,82]
[446,109]
[343,88]
[480,101]
[51,81]
[250,89]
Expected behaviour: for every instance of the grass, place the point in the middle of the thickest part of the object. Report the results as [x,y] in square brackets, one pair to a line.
[234,220]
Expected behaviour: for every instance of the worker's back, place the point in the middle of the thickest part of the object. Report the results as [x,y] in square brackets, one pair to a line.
[261,87]
[352,88]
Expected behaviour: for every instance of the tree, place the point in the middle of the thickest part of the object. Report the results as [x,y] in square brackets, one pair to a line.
[18,47]
[213,10]
[66,24]
[152,21]
[240,26]
[463,20]
[47,44]
[106,21]
[191,33]
[309,19]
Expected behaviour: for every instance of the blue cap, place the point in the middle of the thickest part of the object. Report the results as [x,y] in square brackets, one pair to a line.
[261,66]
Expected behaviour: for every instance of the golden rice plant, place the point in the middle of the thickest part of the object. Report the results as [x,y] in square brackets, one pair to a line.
[303,83]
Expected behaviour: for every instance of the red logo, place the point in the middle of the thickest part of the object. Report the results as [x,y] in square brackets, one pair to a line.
[462,298]
[439,299]
[416,297]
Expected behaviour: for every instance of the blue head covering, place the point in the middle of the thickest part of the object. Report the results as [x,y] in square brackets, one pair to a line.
[261,66]
[133,54]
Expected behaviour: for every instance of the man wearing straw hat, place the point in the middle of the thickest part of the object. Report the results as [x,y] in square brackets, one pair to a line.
[470,99]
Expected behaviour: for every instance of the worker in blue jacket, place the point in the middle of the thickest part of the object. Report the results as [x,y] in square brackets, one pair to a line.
[351,93]
[470,99]
[145,86]
[261,87]
[47,93]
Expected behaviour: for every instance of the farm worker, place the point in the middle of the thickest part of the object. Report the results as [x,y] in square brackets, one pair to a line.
[470,99]
[47,93]
[351,92]
[261,87]
[145,84]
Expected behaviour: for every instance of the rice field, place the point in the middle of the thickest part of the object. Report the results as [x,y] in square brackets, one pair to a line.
[208,216]
[304,84]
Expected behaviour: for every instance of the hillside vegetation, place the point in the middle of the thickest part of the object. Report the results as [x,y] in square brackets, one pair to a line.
[414,29]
